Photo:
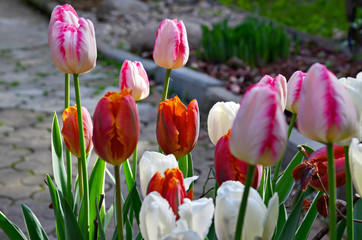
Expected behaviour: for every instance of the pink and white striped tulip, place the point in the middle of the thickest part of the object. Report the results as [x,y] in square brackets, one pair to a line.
[259,132]
[326,112]
[72,42]
[171,49]
[294,86]
[134,76]
[279,83]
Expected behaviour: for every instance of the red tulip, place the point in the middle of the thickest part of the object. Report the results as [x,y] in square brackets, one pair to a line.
[171,49]
[313,171]
[228,167]
[70,130]
[177,128]
[171,187]
[116,127]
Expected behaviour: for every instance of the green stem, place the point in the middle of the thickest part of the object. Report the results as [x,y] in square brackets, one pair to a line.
[165,85]
[119,204]
[182,165]
[67,152]
[134,164]
[332,193]
[349,193]
[244,201]
[279,164]
[83,157]
[80,179]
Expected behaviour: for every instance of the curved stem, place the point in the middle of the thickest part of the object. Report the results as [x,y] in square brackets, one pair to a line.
[67,152]
[165,85]
[80,179]
[134,164]
[349,195]
[332,193]
[119,204]
[244,201]
[83,157]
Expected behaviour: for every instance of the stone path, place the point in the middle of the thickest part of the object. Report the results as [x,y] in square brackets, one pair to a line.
[31,89]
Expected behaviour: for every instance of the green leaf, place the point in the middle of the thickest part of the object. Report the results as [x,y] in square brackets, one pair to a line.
[139,236]
[340,228]
[357,213]
[101,233]
[305,227]
[57,156]
[308,149]
[190,169]
[35,230]
[268,187]
[128,175]
[71,225]
[286,181]
[58,211]
[282,218]
[108,217]
[10,229]
[133,199]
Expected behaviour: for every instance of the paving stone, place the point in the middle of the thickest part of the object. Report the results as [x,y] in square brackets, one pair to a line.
[4,203]
[10,155]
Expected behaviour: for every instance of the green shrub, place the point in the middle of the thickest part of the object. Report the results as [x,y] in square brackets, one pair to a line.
[255,42]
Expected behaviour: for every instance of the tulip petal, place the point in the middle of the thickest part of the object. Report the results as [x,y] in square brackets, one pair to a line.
[294,86]
[189,180]
[186,235]
[355,161]
[271,217]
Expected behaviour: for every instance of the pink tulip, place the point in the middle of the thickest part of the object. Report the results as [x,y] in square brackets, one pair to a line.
[72,41]
[134,76]
[259,132]
[294,86]
[279,83]
[326,112]
[171,49]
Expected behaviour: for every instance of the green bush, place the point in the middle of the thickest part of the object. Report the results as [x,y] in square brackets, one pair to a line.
[255,42]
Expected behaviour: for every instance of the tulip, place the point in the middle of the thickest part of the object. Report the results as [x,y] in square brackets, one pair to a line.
[116,127]
[158,221]
[72,41]
[313,171]
[171,49]
[279,83]
[228,167]
[259,132]
[220,119]
[260,220]
[294,86]
[177,127]
[134,76]
[326,112]
[186,235]
[355,163]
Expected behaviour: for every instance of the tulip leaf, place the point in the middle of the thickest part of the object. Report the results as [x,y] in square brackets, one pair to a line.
[139,236]
[286,182]
[182,165]
[133,199]
[291,224]
[282,218]
[57,156]
[340,228]
[108,217]
[35,230]
[101,235]
[10,229]
[212,234]
[72,229]
[58,211]
[308,149]
[268,187]
[357,213]
[305,227]
[190,169]
[262,182]
[128,174]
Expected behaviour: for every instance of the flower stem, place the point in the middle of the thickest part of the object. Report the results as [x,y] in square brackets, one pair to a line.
[80,179]
[244,201]
[134,164]
[349,193]
[182,165]
[83,157]
[165,85]
[277,167]
[119,203]
[332,193]
[67,152]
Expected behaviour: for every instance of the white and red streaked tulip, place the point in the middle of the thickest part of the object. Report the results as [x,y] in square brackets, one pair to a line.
[294,86]
[72,43]
[326,112]
[279,83]
[260,221]
[134,76]
[171,49]
[62,13]
[259,132]
[158,220]
[220,119]
[355,164]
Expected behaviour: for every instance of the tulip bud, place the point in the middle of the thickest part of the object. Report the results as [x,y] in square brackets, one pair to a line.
[326,112]
[228,167]
[134,76]
[313,171]
[116,127]
[171,49]
[355,163]
[72,41]
[279,83]
[70,130]
[259,132]
[220,119]
[177,128]
[294,86]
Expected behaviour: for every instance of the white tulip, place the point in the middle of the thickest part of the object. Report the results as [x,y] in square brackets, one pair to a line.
[220,119]
[355,163]
[187,235]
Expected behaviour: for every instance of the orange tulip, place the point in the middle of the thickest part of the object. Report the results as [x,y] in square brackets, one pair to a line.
[70,130]
[177,128]
[171,187]
[116,127]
